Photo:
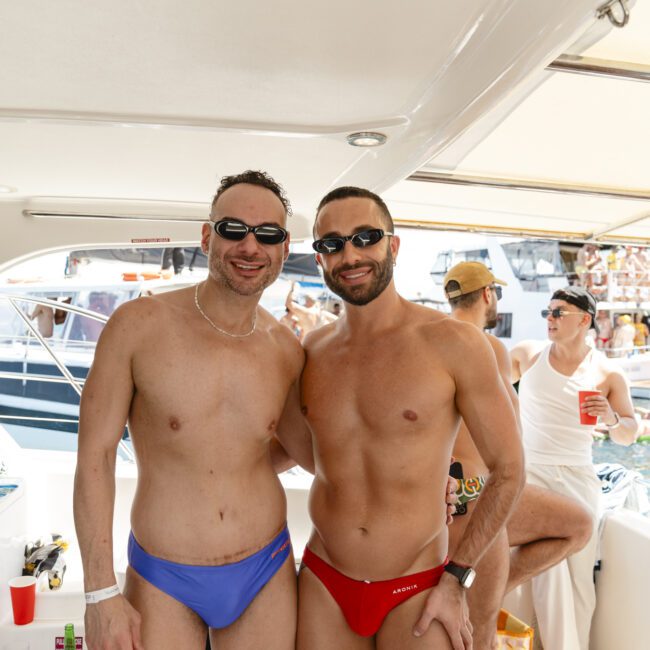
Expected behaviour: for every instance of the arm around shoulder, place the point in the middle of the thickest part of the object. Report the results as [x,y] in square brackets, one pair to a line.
[293,434]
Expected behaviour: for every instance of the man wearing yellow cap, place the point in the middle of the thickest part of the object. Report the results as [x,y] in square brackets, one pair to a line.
[545,527]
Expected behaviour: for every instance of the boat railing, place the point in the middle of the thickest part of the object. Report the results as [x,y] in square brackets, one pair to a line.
[629,353]
[76,383]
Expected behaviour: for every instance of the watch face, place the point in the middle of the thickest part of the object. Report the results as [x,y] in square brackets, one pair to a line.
[468,579]
[464,575]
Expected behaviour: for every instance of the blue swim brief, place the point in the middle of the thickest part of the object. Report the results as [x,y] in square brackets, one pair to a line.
[218,594]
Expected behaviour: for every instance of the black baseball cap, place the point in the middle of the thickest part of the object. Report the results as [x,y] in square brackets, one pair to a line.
[581,298]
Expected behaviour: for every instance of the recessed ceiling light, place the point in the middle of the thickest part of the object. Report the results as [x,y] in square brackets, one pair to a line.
[366,139]
[5,189]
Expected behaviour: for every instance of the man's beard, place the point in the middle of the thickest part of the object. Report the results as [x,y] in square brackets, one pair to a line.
[491,319]
[221,270]
[361,294]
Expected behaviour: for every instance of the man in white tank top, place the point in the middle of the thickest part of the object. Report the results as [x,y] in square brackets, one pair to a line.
[558,448]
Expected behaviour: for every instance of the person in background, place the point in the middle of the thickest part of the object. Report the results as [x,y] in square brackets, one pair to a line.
[605,330]
[175,256]
[311,315]
[558,448]
[291,321]
[545,527]
[623,338]
[641,332]
[44,315]
[100,302]
[589,265]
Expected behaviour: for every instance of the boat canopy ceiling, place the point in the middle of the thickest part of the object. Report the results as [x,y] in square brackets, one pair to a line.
[124,116]
[569,161]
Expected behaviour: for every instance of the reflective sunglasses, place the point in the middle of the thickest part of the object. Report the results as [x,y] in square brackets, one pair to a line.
[235,230]
[330,245]
[558,313]
[498,291]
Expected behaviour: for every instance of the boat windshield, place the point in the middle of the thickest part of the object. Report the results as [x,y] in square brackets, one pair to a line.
[446,259]
[534,262]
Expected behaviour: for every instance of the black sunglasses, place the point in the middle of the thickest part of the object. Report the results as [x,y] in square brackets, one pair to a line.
[558,313]
[329,245]
[235,230]
[498,291]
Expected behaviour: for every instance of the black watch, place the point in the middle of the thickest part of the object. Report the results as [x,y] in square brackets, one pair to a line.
[465,574]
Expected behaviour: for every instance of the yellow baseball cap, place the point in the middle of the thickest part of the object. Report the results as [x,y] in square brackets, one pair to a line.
[470,276]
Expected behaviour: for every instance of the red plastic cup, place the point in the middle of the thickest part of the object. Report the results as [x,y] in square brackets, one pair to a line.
[23,597]
[585,418]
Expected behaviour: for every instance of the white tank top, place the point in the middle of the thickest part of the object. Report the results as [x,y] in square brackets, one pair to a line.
[550,419]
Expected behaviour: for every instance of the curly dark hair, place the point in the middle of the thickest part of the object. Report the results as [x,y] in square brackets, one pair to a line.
[253,177]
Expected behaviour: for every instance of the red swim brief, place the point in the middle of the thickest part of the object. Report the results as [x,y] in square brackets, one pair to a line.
[366,604]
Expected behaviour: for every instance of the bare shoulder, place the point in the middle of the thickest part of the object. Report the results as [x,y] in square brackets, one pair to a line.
[500,351]
[442,330]
[525,351]
[320,337]
[455,342]
[141,317]
[135,315]
[281,335]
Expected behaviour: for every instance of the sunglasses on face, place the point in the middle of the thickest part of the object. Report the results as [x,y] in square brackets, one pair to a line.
[558,313]
[498,291]
[235,230]
[330,245]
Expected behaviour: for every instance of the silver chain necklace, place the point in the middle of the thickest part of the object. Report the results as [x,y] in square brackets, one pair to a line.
[234,336]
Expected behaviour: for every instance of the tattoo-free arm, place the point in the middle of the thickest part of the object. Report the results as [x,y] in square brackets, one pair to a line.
[293,431]
[619,400]
[105,403]
[484,404]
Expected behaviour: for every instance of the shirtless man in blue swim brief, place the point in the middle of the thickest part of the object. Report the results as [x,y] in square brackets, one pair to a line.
[209,548]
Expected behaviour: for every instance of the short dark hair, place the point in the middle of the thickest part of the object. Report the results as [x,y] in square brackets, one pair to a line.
[253,177]
[464,301]
[350,192]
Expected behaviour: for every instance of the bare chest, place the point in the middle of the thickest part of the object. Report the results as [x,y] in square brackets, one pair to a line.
[377,392]
[196,386]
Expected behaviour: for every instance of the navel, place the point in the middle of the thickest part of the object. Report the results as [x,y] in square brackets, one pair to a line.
[221,514]
[364,531]
[410,415]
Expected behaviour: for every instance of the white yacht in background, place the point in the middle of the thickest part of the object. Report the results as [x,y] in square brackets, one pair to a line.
[534,269]
[503,117]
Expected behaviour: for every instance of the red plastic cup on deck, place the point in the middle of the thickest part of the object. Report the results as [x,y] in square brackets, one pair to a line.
[585,418]
[23,597]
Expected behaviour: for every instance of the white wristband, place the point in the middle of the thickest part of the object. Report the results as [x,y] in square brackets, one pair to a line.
[93,597]
[616,424]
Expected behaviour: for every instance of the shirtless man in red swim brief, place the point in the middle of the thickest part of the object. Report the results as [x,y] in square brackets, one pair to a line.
[383,390]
